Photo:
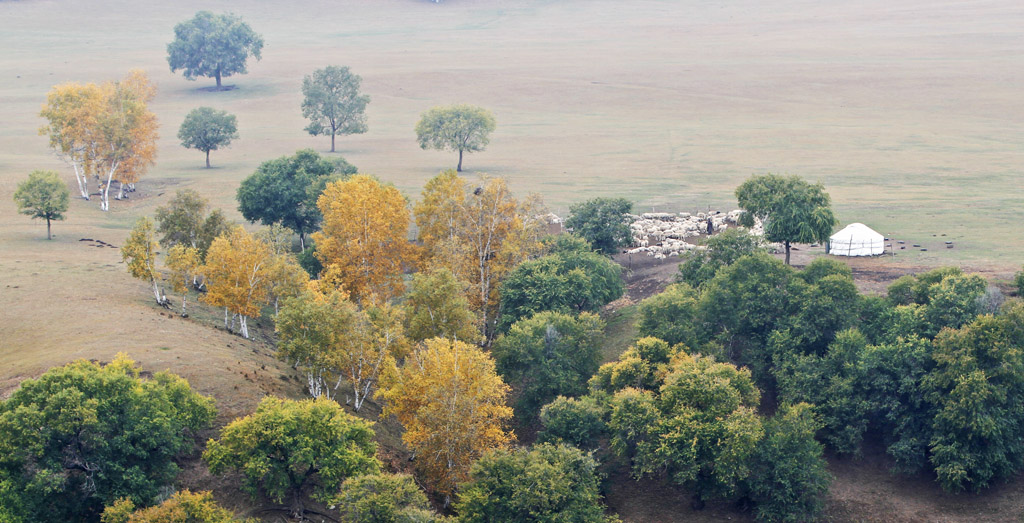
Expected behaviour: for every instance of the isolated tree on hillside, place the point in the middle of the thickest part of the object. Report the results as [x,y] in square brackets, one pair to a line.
[463,128]
[792,210]
[207,129]
[365,237]
[139,251]
[452,405]
[333,104]
[602,222]
[286,189]
[44,196]
[81,436]
[71,112]
[213,46]
[287,447]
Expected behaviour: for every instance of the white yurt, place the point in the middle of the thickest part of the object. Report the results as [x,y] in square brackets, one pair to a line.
[856,239]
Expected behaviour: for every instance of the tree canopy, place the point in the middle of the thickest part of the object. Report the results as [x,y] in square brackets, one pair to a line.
[185,221]
[792,210]
[44,196]
[602,222]
[546,483]
[286,446]
[214,46]
[84,435]
[207,129]
[463,128]
[332,102]
[383,498]
[285,190]
[183,507]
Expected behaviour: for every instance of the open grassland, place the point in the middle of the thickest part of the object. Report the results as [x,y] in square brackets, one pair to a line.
[909,112]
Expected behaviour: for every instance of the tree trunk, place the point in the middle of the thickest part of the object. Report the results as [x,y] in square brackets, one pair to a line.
[225,318]
[787,252]
[298,509]
[332,142]
[156,292]
[120,191]
[48,237]
[302,242]
[218,77]
[184,297]
[207,159]
[83,181]
[244,325]
[460,162]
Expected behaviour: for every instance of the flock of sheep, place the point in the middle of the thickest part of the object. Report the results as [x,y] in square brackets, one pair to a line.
[664,234]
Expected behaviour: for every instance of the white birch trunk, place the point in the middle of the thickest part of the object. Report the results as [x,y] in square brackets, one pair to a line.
[105,198]
[244,326]
[82,179]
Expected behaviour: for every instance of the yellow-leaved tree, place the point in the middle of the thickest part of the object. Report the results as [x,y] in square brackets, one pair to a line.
[184,263]
[451,402]
[71,112]
[139,252]
[365,237]
[480,234]
[237,273]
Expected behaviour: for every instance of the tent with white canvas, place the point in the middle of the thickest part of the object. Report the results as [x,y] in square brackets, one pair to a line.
[856,239]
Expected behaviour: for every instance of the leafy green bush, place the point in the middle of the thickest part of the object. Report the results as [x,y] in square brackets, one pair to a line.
[570,420]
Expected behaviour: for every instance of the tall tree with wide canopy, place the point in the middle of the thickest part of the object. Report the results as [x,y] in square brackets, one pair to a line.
[602,222]
[332,102]
[71,112]
[207,129]
[285,190]
[213,45]
[84,435]
[792,210]
[463,128]
[44,196]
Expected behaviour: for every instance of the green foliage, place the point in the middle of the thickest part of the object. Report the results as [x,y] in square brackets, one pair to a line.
[184,221]
[436,307]
[701,428]
[977,387]
[577,422]
[670,315]
[547,483]
[723,249]
[309,262]
[564,281]
[286,190]
[1018,281]
[792,210]
[213,46]
[789,480]
[953,302]
[638,367]
[182,507]
[463,128]
[602,222]
[332,103]
[287,446]
[44,196]
[549,354]
[382,498]
[207,129]
[84,435]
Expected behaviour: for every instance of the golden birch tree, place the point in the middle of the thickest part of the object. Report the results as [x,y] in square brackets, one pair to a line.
[237,273]
[365,237]
[451,402]
[125,144]
[139,252]
[71,112]
[184,262]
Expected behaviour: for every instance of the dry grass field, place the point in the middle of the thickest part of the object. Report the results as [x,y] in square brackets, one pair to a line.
[909,112]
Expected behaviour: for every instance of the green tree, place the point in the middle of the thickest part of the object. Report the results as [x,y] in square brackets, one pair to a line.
[44,196]
[285,190]
[84,435]
[670,315]
[333,104]
[548,483]
[567,282]
[789,480]
[185,220]
[287,446]
[602,222]
[207,129]
[723,249]
[436,307]
[212,46]
[573,421]
[1018,281]
[383,498]
[463,128]
[182,507]
[792,210]
[549,354]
